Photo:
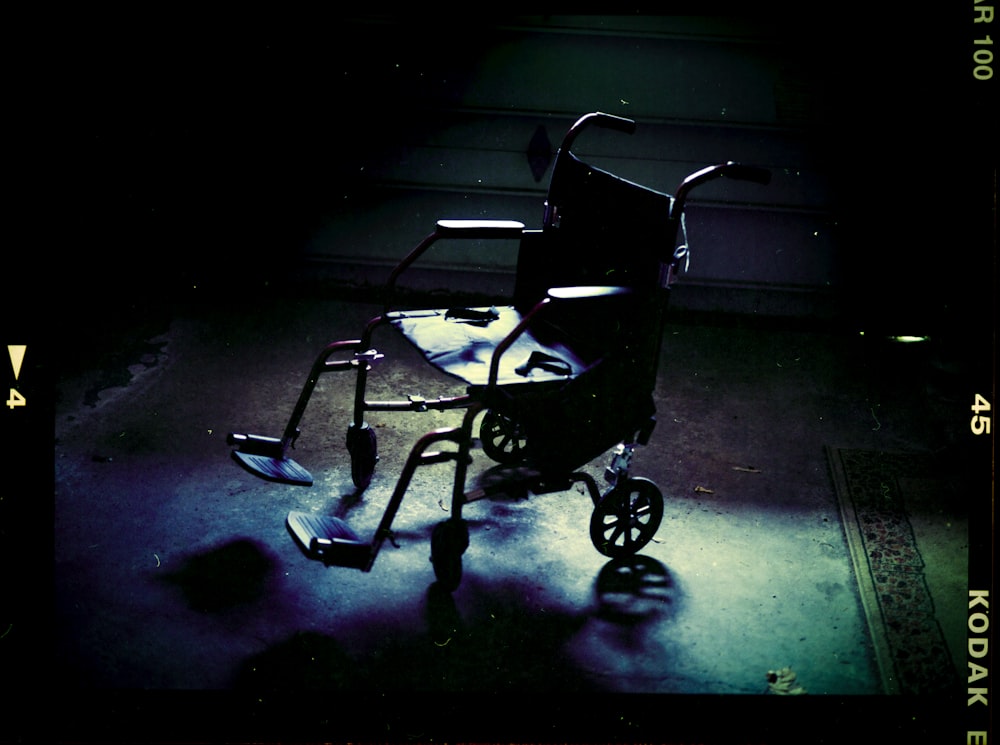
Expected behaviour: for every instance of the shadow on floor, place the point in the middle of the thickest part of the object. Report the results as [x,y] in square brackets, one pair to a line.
[223,579]
[498,650]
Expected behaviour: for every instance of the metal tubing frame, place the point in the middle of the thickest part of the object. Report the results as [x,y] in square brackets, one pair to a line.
[323,364]
[320,365]
[462,437]
[416,458]
[361,404]
[489,229]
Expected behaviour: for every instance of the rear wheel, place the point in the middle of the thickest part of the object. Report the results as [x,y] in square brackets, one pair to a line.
[626,518]
[502,438]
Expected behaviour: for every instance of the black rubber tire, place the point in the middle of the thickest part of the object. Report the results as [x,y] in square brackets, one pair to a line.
[501,438]
[449,540]
[626,518]
[362,445]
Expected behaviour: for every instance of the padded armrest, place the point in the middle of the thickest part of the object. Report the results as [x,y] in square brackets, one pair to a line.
[584,293]
[554,295]
[479,228]
[453,229]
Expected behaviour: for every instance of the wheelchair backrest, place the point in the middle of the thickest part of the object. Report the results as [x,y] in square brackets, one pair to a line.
[599,229]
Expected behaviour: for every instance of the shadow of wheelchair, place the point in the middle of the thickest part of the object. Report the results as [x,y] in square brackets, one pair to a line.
[635,589]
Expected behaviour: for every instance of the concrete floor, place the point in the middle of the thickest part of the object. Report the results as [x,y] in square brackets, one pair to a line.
[174,571]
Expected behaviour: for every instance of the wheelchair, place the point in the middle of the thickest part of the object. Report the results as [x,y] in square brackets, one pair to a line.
[560,376]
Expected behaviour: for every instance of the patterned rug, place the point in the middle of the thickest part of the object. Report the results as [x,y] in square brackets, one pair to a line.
[909,643]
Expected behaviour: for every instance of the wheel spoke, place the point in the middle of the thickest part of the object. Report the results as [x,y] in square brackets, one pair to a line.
[616,533]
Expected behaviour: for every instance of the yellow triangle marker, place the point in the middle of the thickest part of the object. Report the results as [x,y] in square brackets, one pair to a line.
[16,352]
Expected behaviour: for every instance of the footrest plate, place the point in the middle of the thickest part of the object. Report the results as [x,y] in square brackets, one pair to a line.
[328,539]
[283,470]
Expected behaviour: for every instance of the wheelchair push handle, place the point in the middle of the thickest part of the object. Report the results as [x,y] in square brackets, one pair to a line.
[610,121]
[731,170]
[597,119]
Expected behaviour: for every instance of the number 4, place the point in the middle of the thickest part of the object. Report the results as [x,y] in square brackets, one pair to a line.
[16,399]
[980,424]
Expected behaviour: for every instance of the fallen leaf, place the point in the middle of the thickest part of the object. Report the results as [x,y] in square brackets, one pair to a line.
[746,469]
[783,682]
[702,490]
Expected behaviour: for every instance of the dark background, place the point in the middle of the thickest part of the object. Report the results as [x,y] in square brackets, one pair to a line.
[190,147]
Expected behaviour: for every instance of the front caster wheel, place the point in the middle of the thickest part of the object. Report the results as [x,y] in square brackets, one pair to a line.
[626,518]
[448,542]
[363,449]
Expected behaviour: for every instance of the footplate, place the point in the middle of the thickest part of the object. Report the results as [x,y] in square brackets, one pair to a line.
[283,470]
[265,457]
[330,540]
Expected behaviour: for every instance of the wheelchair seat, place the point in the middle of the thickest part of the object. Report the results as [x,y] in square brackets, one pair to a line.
[461,341]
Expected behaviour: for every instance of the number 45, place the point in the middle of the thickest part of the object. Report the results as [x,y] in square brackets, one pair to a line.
[980,424]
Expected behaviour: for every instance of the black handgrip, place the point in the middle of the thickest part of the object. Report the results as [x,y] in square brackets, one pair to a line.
[730,169]
[747,173]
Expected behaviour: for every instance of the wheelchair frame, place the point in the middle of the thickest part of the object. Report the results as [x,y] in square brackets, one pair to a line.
[625,517]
